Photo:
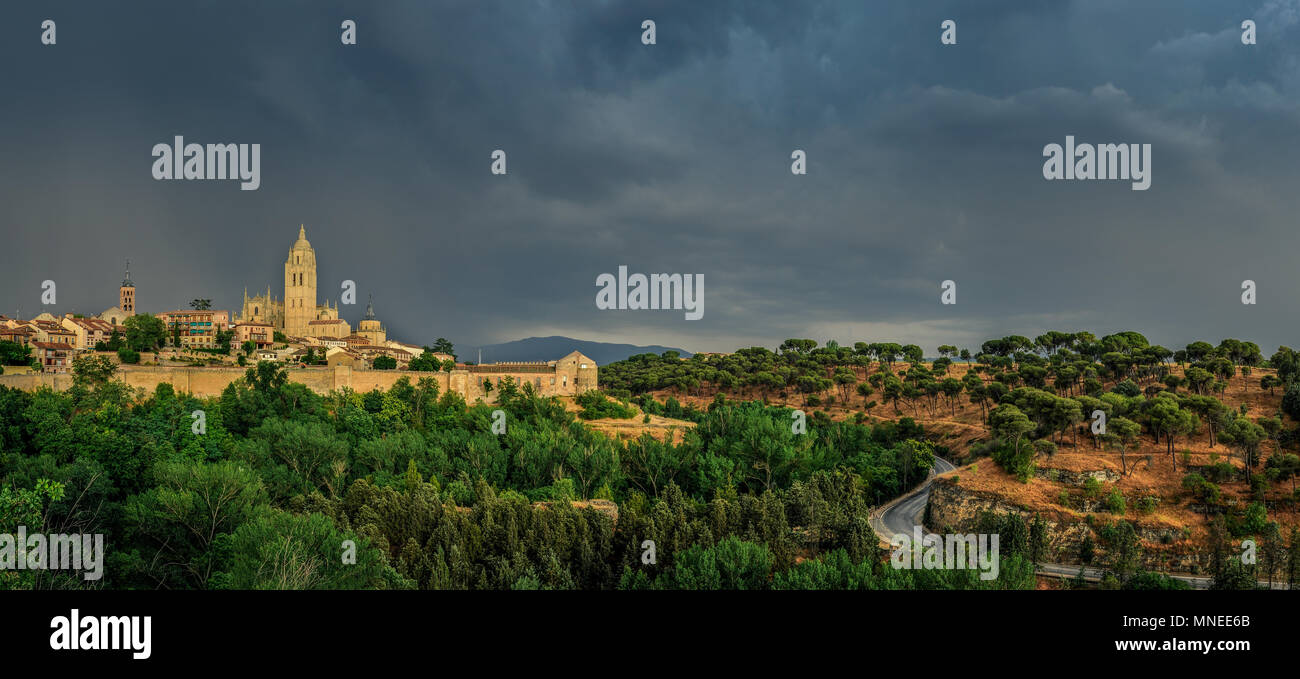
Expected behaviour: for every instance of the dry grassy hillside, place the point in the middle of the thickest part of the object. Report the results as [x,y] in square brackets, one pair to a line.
[1151,470]
[662,428]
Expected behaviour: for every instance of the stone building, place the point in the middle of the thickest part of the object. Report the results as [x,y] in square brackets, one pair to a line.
[195,327]
[568,376]
[89,331]
[335,328]
[370,327]
[294,314]
[257,333]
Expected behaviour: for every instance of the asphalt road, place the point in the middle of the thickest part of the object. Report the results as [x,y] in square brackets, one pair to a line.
[904,514]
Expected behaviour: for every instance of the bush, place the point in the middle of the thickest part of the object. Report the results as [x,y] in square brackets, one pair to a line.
[1159,581]
[1127,388]
[1115,501]
[127,355]
[1220,472]
[1291,400]
[1252,522]
[1201,489]
[595,406]
[1020,465]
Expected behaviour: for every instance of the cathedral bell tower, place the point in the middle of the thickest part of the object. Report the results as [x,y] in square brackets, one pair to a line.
[299,286]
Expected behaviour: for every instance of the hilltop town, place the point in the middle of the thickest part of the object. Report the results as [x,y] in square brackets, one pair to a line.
[201,350]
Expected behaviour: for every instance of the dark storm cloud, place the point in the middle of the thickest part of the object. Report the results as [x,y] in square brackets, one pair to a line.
[924,164]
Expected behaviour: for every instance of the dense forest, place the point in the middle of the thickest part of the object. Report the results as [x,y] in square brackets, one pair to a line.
[280,481]
[411,488]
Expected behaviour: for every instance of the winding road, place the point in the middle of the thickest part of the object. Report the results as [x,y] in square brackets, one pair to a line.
[903,514]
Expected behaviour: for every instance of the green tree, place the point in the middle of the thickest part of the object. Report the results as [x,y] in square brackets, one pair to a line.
[279,550]
[175,526]
[443,346]
[13,353]
[145,332]
[92,370]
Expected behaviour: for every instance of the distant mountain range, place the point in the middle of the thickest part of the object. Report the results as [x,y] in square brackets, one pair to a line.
[551,348]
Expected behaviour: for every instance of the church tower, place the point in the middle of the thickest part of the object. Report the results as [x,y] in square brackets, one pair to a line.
[126,293]
[370,327]
[299,286]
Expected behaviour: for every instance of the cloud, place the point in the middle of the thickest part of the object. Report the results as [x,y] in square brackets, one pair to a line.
[924,165]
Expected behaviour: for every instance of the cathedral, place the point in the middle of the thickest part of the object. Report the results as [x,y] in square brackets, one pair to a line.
[298,315]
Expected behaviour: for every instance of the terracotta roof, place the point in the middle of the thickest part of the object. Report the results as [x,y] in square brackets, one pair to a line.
[53,345]
[327,321]
[93,324]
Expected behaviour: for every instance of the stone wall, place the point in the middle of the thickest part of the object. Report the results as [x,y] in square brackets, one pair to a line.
[211,381]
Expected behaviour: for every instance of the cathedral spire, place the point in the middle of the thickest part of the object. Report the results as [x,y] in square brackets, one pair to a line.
[302,232]
[126,282]
[370,309]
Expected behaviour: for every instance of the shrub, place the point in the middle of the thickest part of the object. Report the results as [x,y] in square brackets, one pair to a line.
[1115,501]
[1127,388]
[1201,489]
[1291,400]
[1020,465]
[595,406]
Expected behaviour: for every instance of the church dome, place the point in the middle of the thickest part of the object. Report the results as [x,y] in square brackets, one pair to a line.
[302,242]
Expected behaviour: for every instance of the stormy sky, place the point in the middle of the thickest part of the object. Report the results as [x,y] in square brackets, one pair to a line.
[924,164]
